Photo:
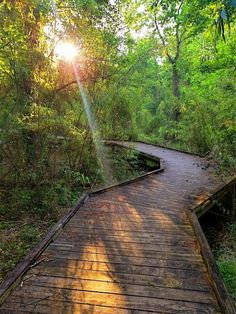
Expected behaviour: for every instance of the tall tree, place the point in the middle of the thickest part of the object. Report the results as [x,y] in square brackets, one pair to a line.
[171,23]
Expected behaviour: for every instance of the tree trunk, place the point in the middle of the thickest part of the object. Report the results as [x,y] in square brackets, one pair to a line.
[175,88]
[175,81]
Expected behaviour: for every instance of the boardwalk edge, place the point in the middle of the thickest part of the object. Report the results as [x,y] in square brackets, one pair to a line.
[216,280]
[159,145]
[216,194]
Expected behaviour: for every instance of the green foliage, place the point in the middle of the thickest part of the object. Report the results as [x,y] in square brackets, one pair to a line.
[16,240]
[226,259]
[175,86]
[227,268]
[127,164]
[159,71]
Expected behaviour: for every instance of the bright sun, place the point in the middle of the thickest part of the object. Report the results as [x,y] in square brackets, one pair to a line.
[66,51]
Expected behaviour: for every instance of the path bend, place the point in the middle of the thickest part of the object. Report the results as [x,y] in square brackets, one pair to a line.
[131,249]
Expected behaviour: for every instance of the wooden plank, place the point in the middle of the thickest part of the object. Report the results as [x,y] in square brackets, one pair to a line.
[12,310]
[139,197]
[101,218]
[233,201]
[73,238]
[129,209]
[132,272]
[132,213]
[118,264]
[131,255]
[165,278]
[132,204]
[116,300]
[34,305]
[132,227]
[159,203]
[125,247]
[110,245]
[93,255]
[128,262]
[124,235]
[129,205]
[116,287]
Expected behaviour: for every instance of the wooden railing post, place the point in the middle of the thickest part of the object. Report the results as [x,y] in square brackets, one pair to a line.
[233,200]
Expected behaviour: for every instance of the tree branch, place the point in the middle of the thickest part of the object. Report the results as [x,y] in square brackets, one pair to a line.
[177,36]
[180,7]
[83,80]
[162,38]
[65,86]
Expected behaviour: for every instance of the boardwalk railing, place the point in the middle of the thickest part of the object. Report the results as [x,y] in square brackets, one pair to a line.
[225,194]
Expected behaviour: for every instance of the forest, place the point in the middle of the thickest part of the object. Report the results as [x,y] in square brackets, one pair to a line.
[74,73]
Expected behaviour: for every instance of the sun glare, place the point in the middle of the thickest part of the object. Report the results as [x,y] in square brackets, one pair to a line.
[66,51]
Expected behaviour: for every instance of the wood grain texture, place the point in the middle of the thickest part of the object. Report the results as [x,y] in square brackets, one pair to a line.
[131,248]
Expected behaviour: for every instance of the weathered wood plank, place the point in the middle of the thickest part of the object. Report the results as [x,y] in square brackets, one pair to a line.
[109,230]
[116,287]
[118,264]
[94,252]
[130,205]
[76,233]
[41,306]
[75,239]
[111,258]
[149,278]
[101,218]
[125,247]
[32,305]
[132,227]
[116,300]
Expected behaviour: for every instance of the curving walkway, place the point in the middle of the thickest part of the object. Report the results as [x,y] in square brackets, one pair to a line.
[131,249]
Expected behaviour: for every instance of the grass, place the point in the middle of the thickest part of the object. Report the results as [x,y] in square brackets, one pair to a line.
[17,238]
[225,255]
[221,236]
[227,266]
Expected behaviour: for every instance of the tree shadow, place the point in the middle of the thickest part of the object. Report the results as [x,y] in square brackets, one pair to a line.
[128,249]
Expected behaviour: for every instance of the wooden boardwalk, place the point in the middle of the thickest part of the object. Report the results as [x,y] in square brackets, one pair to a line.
[131,249]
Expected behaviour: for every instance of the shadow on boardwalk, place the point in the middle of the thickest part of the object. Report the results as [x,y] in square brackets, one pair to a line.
[128,250]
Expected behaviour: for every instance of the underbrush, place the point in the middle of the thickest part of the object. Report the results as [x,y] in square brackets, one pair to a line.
[221,235]
[226,259]
[17,238]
